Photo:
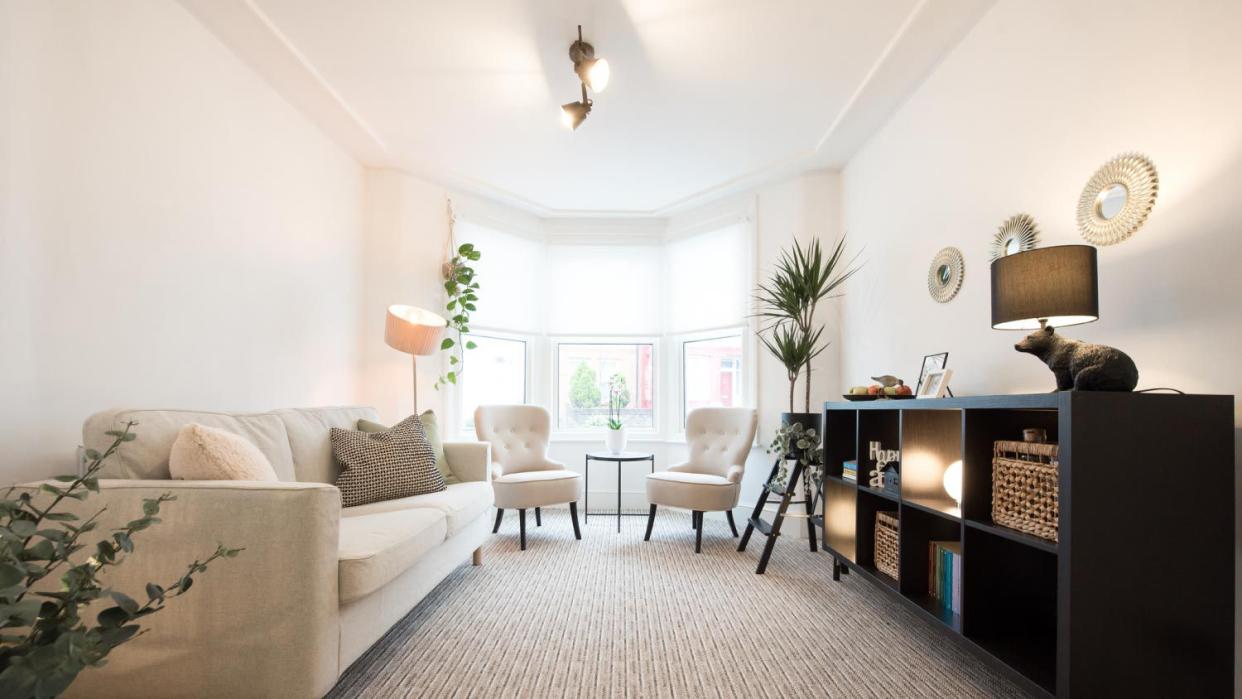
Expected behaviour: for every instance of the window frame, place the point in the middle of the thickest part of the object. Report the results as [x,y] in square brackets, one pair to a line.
[455,396]
[655,432]
[728,332]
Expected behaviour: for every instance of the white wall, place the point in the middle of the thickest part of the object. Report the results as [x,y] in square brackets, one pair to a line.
[173,232]
[1017,118]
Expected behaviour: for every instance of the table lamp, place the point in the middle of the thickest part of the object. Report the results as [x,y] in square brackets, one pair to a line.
[416,332]
[1055,286]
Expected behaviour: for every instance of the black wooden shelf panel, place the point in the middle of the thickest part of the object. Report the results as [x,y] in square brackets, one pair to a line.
[940,508]
[1014,535]
[879,492]
[938,610]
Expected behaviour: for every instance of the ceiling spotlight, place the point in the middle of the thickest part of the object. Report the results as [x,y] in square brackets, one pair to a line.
[592,72]
[574,113]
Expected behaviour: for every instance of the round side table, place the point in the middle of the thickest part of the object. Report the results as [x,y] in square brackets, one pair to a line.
[621,458]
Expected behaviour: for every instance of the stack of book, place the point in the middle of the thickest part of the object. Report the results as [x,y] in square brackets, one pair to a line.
[945,579]
[849,471]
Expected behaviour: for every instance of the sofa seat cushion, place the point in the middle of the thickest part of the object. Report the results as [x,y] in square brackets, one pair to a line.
[693,491]
[376,548]
[537,488]
[461,504]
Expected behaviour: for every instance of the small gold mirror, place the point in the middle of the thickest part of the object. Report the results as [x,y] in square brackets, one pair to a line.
[1017,234]
[1117,199]
[1111,201]
[944,278]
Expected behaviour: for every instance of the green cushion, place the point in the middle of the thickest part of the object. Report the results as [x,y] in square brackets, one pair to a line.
[432,428]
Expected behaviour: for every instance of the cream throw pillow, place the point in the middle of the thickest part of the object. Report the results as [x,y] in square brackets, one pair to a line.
[202,453]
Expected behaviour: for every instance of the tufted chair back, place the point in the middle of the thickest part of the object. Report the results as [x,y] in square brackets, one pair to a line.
[719,439]
[518,435]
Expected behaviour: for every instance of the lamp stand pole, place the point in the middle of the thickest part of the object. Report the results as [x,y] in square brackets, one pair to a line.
[414,367]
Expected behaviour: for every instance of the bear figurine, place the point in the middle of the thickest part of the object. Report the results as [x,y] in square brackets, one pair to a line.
[1081,366]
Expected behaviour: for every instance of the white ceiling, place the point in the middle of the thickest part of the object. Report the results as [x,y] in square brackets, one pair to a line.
[706,96]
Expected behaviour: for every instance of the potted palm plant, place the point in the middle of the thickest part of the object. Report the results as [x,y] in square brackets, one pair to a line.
[787,302]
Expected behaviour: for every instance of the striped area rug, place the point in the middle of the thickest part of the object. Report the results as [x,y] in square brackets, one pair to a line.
[614,616]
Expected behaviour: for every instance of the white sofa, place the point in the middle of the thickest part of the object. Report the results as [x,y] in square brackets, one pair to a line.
[316,585]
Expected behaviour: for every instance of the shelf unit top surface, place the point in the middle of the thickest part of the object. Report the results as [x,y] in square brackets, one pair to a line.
[1060,400]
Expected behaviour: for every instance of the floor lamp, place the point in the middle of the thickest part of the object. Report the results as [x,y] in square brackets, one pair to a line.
[416,332]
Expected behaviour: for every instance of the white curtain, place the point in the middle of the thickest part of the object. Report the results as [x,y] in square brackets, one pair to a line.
[509,272]
[603,289]
[707,279]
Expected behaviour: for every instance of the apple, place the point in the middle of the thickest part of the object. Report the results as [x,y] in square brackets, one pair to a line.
[890,390]
[904,390]
[858,391]
[873,390]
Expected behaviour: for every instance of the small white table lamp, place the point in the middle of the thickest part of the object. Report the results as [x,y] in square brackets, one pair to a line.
[414,331]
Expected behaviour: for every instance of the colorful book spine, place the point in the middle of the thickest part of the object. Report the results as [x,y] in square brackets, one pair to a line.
[944,579]
[849,471]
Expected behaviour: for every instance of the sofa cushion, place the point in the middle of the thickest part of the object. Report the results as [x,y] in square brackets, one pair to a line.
[461,504]
[432,427]
[146,457]
[385,465]
[202,453]
[308,438]
[376,548]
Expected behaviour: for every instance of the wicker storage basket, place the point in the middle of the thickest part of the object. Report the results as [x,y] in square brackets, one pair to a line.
[1024,487]
[886,532]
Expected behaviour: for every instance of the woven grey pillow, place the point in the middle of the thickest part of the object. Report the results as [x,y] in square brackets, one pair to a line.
[385,465]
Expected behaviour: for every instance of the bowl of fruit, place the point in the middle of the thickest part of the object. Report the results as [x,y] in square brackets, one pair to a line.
[895,390]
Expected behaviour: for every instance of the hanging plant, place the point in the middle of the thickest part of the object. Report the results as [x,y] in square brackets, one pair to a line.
[462,291]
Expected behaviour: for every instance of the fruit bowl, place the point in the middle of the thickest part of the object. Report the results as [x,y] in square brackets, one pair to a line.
[859,397]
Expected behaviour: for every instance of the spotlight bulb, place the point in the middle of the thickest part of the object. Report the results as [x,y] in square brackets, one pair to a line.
[573,114]
[595,74]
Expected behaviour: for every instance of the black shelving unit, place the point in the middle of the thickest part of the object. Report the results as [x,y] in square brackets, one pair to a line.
[1136,598]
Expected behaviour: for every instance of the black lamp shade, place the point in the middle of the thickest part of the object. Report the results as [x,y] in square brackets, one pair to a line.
[1056,285]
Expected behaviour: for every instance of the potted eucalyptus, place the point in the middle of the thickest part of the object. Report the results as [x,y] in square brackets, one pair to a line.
[618,398]
[787,302]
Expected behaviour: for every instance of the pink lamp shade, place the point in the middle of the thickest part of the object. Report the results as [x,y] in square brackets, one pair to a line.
[413,330]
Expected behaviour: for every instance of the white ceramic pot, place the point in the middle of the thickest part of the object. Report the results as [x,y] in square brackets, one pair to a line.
[614,440]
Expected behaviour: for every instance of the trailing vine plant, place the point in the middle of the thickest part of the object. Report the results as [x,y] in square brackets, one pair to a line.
[462,290]
[802,443]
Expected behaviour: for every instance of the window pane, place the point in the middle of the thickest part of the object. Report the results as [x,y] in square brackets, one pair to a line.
[583,372]
[494,374]
[712,373]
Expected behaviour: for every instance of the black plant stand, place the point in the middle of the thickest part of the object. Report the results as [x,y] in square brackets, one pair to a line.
[773,530]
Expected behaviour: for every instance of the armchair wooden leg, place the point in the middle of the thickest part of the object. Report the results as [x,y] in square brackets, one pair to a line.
[650,522]
[477,557]
[573,515]
[499,514]
[522,527]
[729,514]
[698,532]
[538,518]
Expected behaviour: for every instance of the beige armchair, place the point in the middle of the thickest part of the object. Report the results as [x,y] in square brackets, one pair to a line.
[711,481]
[522,475]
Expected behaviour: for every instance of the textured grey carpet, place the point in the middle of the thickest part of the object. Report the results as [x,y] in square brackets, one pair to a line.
[614,616]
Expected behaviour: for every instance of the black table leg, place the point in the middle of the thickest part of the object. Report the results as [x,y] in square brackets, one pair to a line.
[618,497]
[586,495]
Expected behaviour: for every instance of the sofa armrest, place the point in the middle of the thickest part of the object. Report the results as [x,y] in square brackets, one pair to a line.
[469,461]
[262,624]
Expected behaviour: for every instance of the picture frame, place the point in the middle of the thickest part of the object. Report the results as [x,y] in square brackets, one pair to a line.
[935,384]
[932,362]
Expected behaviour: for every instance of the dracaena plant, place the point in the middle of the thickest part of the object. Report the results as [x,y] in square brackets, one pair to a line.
[44,641]
[787,301]
[462,290]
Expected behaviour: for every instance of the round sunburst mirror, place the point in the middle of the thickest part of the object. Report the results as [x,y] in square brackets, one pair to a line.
[944,277]
[1117,199]
[1017,234]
